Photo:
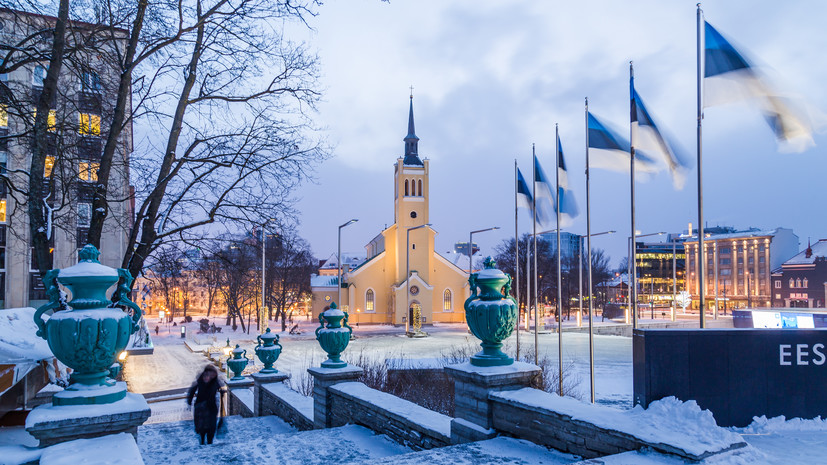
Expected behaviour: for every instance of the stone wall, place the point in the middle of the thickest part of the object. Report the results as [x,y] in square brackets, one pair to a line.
[401,420]
[279,400]
[241,402]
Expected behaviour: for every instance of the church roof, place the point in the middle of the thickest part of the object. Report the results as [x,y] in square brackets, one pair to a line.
[411,142]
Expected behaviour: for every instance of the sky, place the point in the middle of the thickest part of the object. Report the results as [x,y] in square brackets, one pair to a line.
[491,78]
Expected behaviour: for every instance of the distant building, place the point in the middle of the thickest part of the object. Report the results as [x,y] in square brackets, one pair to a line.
[380,289]
[802,280]
[655,263]
[82,110]
[569,243]
[738,266]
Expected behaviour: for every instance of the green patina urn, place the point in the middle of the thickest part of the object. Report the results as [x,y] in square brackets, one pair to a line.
[491,314]
[89,332]
[237,363]
[333,335]
[268,351]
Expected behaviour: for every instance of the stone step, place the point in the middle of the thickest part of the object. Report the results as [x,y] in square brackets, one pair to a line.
[259,440]
[493,451]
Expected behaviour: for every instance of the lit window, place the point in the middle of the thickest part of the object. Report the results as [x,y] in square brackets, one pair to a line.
[48,166]
[84,215]
[805,283]
[369,301]
[89,171]
[39,75]
[2,210]
[798,282]
[792,283]
[4,116]
[51,121]
[447,305]
[90,125]
[778,284]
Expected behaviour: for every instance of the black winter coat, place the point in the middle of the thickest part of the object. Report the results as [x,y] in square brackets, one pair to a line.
[205,411]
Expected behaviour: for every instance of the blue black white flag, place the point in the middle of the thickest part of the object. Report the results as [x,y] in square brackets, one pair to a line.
[648,140]
[543,197]
[608,150]
[524,198]
[568,205]
[729,77]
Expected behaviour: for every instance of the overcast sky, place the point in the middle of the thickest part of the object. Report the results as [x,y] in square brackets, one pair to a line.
[492,77]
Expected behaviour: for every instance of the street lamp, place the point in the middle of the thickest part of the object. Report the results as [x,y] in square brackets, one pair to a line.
[632,274]
[339,263]
[580,270]
[263,311]
[471,246]
[408,274]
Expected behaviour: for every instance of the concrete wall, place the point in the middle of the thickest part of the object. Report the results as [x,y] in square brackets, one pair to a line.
[403,421]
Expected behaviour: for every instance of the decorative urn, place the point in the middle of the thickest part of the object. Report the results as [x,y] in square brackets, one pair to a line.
[333,335]
[491,314]
[238,362]
[268,351]
[89,332]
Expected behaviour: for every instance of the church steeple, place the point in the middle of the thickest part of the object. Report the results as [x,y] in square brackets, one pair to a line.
[411,141]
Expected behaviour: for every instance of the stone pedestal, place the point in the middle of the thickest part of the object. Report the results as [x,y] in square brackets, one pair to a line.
[323,378]
[240,383]
[260,379]
[53,424]
[473,418]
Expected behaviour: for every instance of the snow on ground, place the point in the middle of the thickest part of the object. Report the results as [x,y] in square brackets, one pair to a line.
[116,449]
[491,452]
[263,440]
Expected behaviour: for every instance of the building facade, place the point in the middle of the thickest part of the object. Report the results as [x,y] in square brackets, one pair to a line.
[801,282]
[78,121]
[738,266]
[403,275]
[569,243]
[661,271]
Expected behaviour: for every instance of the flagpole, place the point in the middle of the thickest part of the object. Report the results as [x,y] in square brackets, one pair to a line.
[517,257]
[589,258]
[701,257]
[536,302]
[559,262]
[633,245]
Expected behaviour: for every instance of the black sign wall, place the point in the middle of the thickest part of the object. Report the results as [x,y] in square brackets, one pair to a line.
[736,373]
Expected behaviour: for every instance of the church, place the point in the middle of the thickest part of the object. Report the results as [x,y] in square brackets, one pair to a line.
[402,276]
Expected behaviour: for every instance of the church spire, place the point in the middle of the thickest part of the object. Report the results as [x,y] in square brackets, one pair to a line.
[411,141]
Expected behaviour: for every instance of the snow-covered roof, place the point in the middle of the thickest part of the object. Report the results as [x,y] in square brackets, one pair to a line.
[616,281]
[323,281]
[19,344]
[351,259]
[819,250]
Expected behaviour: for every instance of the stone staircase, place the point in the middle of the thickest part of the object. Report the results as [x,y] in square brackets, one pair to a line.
[268,439]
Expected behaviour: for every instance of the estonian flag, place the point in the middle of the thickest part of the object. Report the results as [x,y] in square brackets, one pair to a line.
[543,197]
[568,206]
[608,150]
[647,138]
[524,198]
[729,77]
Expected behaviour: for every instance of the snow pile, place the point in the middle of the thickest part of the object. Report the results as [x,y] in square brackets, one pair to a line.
[46,413]
[116,449]
[18,336]
[87,269]
[763,425]
[667,421]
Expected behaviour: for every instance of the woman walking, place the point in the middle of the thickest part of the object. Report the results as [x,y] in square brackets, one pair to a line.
[205,413]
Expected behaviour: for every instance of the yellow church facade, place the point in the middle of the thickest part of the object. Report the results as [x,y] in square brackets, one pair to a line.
[402,275]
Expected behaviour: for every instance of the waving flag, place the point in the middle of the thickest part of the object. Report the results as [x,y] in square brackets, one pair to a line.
[524,198]
[608,150]
[568,206]
[543,196]
[647,138]
[729,77]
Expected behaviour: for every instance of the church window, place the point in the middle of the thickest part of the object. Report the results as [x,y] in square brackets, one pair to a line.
[406,188]
[446,301]
[413,214]
[419,187]
[370,299]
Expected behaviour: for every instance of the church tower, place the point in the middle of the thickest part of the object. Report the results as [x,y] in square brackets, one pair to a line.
[411,179]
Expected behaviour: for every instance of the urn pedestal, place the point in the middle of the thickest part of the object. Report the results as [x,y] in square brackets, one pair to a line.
[238,363]
[333,335]
[491,314]
[268,351]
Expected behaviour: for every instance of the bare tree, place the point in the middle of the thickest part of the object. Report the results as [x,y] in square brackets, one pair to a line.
[165,273]
[546,265]
[237,266]
[288,274]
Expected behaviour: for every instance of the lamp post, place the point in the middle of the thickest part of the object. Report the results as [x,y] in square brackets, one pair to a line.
[339,264]
[408,274]
[633,279]
[263,312]
[471,246]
